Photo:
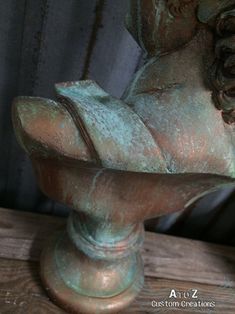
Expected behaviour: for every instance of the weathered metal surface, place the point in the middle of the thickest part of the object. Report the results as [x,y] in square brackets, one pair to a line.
[117,163]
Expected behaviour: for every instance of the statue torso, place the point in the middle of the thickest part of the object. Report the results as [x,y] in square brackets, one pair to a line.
[173,97]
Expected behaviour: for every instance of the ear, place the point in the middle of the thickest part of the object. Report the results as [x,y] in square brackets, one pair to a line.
[160,26]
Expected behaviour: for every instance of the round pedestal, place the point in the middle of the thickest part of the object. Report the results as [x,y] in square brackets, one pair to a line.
[81,283]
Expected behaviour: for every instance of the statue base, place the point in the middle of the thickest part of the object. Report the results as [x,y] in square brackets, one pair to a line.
[84,278]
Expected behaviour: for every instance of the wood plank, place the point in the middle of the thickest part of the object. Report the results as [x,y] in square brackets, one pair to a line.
[159,290]
[178,258]
[21,292]
[23,235]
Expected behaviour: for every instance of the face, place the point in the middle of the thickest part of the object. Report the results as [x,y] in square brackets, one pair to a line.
[160,26]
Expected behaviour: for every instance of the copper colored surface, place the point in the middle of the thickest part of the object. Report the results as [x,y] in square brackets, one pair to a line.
[167,143]
[77,302]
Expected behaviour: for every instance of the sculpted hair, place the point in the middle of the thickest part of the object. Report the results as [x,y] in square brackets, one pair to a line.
[223,70]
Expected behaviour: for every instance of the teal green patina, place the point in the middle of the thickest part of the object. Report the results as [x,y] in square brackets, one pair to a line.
[120,138]
[168,142]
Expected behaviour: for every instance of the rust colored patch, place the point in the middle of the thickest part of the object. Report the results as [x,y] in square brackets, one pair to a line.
[117,163]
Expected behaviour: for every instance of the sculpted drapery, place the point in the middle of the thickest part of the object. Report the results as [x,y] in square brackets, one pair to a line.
[116,162]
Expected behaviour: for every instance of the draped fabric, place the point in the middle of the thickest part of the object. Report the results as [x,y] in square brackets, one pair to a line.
[48,41]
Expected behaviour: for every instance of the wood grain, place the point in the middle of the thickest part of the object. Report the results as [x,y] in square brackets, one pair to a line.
[21,292]
[178,258]
[160,289]
[23,235]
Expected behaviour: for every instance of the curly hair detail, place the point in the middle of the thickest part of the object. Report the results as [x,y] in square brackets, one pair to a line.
[223,71]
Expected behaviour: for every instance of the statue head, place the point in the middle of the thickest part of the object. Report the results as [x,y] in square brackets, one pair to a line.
[161,26]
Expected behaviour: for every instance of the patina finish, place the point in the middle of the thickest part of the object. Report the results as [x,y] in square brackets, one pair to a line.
[168,141]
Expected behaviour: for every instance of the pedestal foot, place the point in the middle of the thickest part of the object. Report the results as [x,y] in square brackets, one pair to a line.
[81,283]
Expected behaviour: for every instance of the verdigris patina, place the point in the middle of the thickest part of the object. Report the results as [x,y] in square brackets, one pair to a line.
[168,142]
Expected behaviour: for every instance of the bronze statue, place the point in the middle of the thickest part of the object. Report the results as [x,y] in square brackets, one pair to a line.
[168,141]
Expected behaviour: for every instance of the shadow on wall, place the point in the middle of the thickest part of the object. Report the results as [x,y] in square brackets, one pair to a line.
[211,219]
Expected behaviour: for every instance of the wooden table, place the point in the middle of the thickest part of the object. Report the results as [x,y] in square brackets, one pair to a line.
[171,263]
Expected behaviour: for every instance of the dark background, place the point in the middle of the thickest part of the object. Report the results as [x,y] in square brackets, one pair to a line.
[47,41]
